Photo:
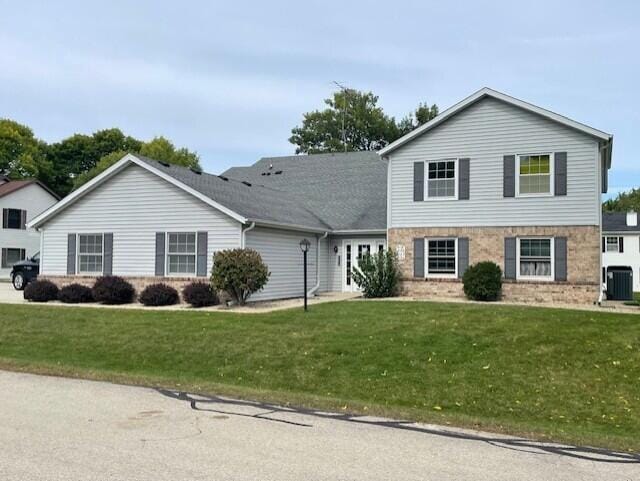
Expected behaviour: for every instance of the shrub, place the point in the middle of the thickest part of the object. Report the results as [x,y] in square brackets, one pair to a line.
[239,272]
[378,274]
[113,290]
[75,294]
[200,294]
[483,281]
[41,291]
[159,295]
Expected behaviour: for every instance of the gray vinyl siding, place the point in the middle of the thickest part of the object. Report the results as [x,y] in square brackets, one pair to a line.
[485,133]
[134,205]
[34,200]
[280,250]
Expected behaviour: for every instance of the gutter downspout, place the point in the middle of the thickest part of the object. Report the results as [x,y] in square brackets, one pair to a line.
[317,286]
[603,165]
[244,232]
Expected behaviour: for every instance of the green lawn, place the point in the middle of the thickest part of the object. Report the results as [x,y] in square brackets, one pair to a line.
[553,374]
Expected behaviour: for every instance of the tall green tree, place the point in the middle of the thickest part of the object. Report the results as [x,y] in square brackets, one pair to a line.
[624,202]
[22,155]
[353,121]
[158,148]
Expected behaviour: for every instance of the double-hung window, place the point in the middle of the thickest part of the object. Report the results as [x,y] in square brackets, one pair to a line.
[441,179]
[535,258]
[534,174]
[90,253]
[441,257]
[13,218]
[12,255]
[613,244]
[181,253]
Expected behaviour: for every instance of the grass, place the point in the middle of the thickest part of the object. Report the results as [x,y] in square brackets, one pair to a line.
[570,376]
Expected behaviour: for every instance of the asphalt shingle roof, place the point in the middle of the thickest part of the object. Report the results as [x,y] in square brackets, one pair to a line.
[617,222]
[324,191]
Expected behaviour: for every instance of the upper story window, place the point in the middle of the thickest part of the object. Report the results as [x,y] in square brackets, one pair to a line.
[534,174]
[441,179]
[13,218]
[535,259]
[181,253]
[441,257]
[613,244]
[90,253]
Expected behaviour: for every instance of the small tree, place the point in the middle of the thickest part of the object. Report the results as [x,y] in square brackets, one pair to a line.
[378,274]
[483,281]
[239,272]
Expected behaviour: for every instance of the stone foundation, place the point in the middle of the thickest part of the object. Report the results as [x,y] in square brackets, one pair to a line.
[487,244]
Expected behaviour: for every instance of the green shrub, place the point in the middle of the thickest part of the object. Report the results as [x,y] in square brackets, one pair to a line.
[200,294]
[159,295]
[378,274]
[40,291]
[75,294]
[483,281]
[239,272]
[113,290]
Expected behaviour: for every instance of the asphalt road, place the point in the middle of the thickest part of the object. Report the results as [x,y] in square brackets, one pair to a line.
[65,429]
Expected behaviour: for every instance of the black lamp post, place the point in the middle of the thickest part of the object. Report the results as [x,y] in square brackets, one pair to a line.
[304,247]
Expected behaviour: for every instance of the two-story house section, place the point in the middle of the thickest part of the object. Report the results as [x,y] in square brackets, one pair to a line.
[621,254]
[497,179]
[20,201]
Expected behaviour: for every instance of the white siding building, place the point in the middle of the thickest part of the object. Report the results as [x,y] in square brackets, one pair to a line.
[621,244]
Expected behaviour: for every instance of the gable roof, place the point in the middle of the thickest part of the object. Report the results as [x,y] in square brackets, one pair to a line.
[300,197]
[11,186]
[487,92]
[617,222]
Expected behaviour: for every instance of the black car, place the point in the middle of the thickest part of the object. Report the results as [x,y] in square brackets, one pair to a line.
[25,271]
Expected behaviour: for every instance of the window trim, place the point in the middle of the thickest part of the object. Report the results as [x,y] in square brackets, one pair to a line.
[456,180]
[7,210]
[548,278]
[440,275]
[167,254]
[551,192]
[78,254]
[606,244]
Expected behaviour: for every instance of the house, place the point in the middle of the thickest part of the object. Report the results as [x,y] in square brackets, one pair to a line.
[621,249]
[20,201]
[492,178]
[151,221]
[497,179]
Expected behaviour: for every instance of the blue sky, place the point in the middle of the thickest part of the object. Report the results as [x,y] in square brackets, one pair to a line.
[230,79]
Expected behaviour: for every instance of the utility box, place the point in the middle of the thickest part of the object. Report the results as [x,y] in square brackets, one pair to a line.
[620,283]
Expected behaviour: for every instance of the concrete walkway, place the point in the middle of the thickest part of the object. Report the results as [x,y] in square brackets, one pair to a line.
[64,429]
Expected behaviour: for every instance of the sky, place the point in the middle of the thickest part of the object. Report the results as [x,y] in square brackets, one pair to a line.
[231,79]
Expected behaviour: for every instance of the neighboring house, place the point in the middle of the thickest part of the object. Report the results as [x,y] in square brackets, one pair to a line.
[621,245]
[497,179]
[152,221]
[20,201]
[492,178]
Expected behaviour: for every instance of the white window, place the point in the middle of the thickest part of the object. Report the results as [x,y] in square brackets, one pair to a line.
[612,244]
[535,258]
[181,253]
[441,179]
[441,257]
[90,253]
[535,172]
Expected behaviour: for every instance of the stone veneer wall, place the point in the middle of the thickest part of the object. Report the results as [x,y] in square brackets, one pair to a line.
[487,244]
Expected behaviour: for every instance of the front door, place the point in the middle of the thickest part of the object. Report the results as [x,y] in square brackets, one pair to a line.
[353,250]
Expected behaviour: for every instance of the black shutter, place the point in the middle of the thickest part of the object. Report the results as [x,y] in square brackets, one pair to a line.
[5,218]
[160,246]
[510,257]
[560,173]
[621,244]
[418,257]
[463,255]
[107,261]
[418,181]
[463,181]
[604,244]
[560,256]
[201,260]
[509,176]
[71,254]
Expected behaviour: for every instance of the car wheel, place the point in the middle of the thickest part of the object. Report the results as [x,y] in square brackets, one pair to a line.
[18,281]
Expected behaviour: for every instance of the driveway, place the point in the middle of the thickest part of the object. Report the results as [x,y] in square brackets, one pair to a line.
[65,429]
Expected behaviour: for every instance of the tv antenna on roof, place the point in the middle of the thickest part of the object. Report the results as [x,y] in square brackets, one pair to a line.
[344,110]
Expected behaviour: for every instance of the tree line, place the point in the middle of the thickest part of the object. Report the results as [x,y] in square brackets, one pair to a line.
[351,121]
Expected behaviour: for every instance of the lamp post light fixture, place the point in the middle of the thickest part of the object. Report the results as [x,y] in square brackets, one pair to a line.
[304,247]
